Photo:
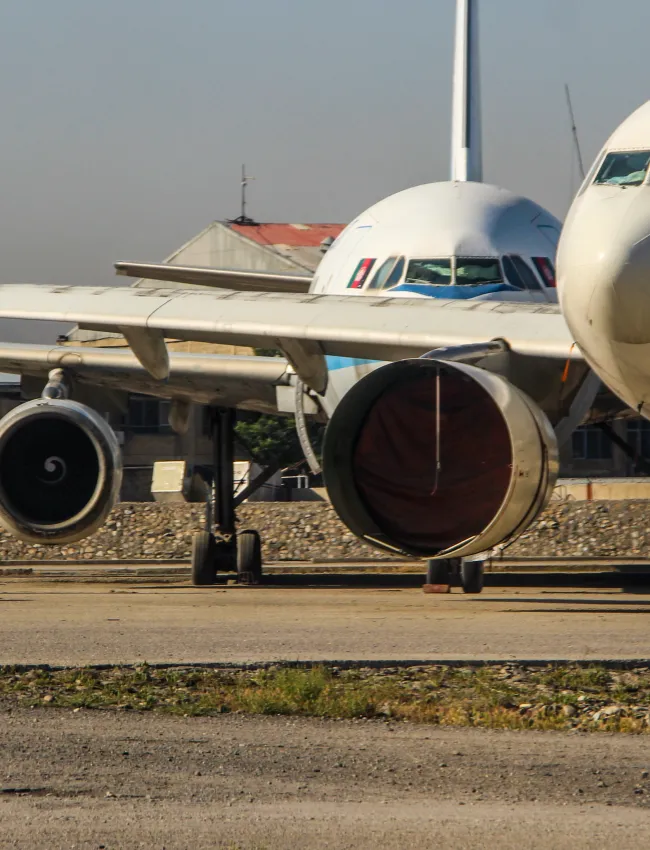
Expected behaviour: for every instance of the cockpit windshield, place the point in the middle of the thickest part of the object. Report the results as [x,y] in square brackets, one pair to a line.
[458,271]
[429,271]
[624,168]
[472,271]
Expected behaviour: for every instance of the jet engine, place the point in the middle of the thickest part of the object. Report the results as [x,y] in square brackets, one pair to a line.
[60,471]
[432,458]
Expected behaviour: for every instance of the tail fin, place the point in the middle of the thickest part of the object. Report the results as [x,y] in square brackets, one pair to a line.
[466,153]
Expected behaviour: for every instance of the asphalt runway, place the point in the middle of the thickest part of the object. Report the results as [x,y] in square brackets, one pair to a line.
[382,618]
[116,779]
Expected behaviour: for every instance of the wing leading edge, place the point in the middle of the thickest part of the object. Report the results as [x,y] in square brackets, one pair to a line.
[235,279]
[306,328]
[385,328]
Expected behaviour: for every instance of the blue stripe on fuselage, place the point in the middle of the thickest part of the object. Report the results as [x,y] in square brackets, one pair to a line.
[334,363]
[453,292]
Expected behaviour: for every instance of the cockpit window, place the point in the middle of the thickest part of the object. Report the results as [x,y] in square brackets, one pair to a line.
[624,169]
[388,273]
[472,271]
[394,277]
[429,271]
[519,273]
[546,269]
[458,271]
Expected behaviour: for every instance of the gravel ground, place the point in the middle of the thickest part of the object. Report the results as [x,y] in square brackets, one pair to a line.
[311,530]
[105,779]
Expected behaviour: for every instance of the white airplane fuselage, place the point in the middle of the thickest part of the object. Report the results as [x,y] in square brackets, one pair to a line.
[449,240]
[604,263]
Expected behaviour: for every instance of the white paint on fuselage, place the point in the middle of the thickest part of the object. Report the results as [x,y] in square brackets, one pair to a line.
[604,272]
[434,221]
[441,220]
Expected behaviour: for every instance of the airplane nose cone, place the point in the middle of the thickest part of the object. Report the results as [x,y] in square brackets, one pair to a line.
[604,267]
[628,319]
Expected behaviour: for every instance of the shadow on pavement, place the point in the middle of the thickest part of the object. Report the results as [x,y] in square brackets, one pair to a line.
[628,582]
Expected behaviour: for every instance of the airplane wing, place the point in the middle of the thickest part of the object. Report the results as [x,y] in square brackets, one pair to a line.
[245,382]
[235,279]
[305,327]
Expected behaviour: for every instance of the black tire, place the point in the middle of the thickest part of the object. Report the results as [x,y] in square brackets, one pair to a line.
[438,572]
[204,569]
[471,576]
[249,557]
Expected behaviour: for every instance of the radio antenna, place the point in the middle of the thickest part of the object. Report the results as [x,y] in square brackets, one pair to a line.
[574,132]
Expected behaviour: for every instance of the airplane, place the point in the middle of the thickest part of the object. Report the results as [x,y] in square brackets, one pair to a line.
[429,339]
[605,256]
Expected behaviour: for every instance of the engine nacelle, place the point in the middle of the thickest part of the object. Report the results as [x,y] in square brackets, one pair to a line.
[60,471]
[438,459]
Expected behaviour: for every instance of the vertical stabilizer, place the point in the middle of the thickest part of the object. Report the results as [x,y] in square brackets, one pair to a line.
[466,151]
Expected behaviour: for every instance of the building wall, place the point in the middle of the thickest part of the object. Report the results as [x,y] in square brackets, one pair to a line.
[222,247]
[589,453]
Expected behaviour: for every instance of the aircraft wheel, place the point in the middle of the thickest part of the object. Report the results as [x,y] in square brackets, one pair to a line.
[439,572]
[249,557]
[204,569]
[471,576]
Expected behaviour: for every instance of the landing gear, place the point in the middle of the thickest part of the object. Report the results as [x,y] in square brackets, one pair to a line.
[450,570]
[471,576]
[219,548]
[203,562]
[249,557]
[441,572]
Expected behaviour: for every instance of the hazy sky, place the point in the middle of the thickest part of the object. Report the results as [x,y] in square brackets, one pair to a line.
[125,122]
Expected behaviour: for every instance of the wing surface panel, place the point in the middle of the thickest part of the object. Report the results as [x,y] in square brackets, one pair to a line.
[246,382]
[380,328]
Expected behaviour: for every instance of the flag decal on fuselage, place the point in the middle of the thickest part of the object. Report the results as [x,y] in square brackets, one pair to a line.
[361,273]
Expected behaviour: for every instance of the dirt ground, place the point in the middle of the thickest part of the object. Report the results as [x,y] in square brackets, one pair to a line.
[120,780]
[76,623]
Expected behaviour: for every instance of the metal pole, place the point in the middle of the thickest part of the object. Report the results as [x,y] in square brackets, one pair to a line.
[243,192]
[574,131]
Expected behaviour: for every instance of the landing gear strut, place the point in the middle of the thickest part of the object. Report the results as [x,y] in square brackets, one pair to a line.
[219,548]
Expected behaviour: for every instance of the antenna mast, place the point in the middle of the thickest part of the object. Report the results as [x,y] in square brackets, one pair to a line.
[244,184]
[243,218]
[574,131]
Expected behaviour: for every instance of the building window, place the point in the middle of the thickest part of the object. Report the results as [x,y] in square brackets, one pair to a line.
[147,415]
[589,443]
[638,436]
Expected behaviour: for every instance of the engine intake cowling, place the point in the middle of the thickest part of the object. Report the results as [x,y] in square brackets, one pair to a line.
[60,471]
[438,459]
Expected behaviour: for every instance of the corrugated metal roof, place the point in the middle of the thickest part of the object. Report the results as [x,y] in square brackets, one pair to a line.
[299,243]
[291,235]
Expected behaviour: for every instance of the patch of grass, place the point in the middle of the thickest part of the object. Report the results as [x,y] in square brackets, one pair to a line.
[511,697]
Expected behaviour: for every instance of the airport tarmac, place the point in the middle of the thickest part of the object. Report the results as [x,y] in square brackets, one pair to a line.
[91,779]
[77,623]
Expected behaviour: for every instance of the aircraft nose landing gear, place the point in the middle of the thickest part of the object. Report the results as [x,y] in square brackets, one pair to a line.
[219,548]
